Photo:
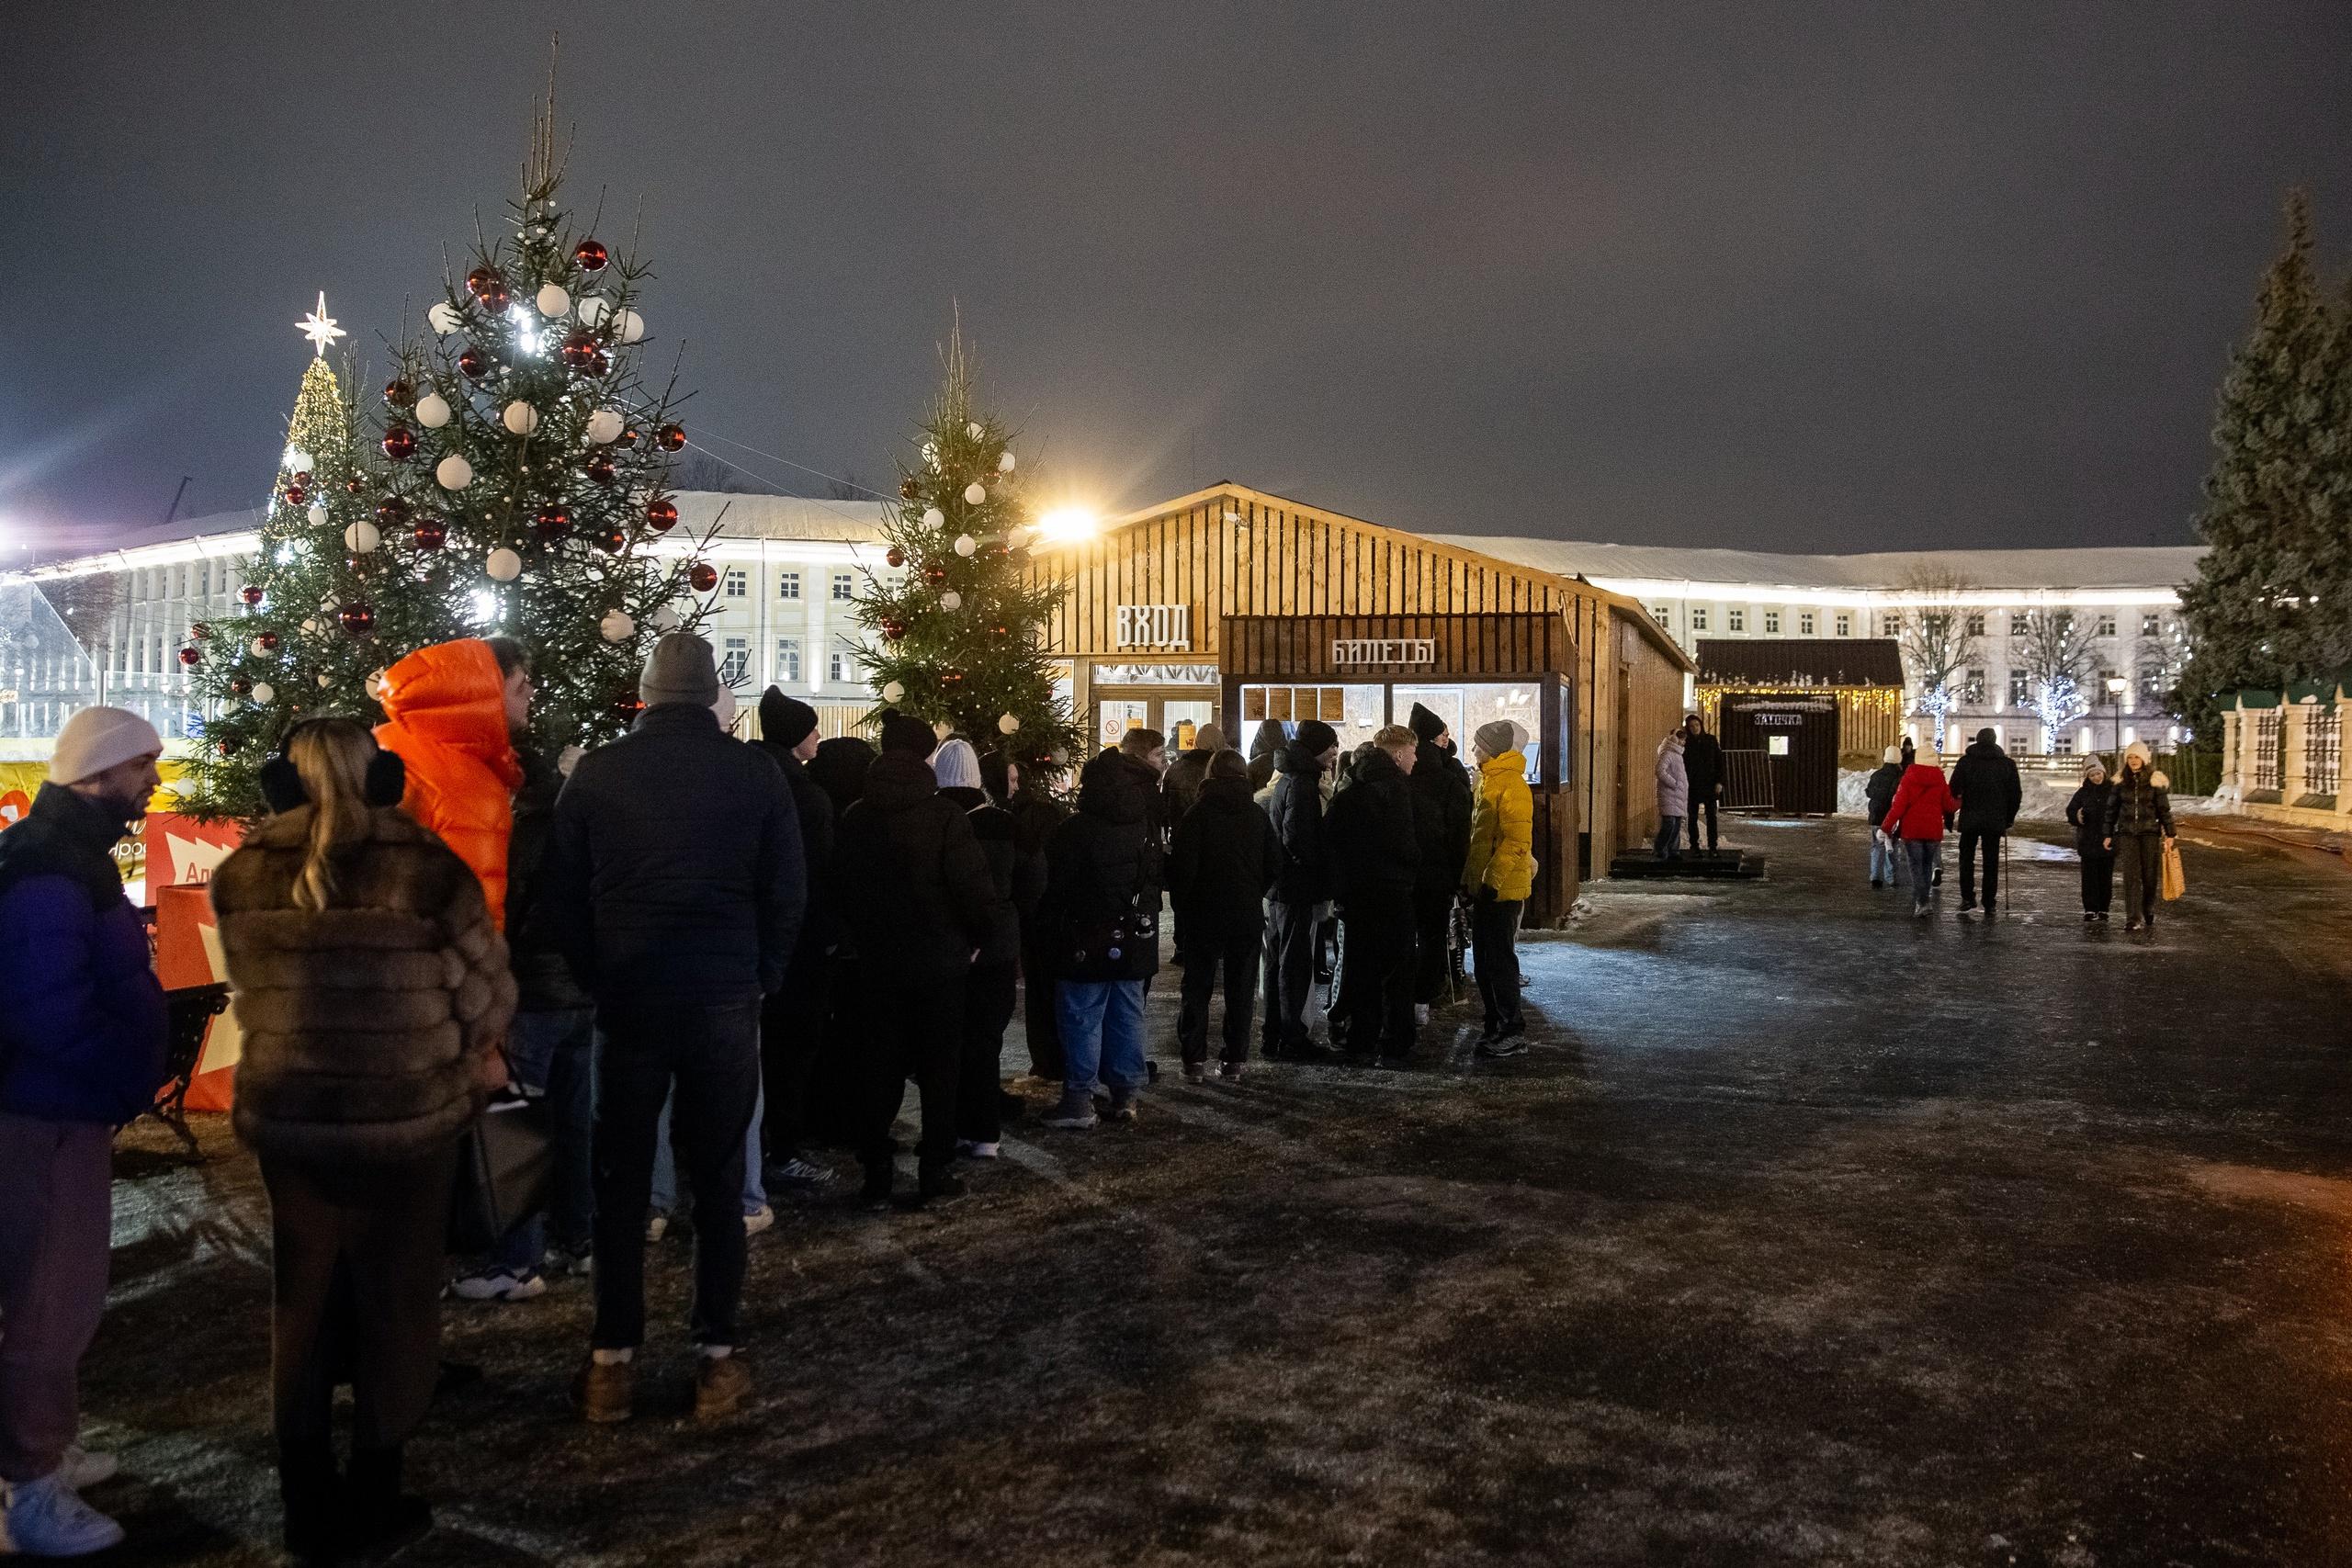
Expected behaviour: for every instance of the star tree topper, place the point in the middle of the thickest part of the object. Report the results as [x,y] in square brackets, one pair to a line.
[319,327]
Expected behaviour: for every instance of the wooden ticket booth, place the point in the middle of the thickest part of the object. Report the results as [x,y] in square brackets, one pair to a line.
[1258,610]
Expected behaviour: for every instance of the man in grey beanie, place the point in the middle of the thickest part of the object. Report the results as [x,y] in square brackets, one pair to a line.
[677,879]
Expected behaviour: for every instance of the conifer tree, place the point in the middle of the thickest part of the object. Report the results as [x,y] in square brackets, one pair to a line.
[956,636]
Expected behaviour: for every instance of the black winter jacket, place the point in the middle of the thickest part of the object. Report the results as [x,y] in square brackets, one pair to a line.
[1266,746]
[1985,780]
[1224,860]
[1010,873]
[1880,791]
[821,928]
[1296,812]
[1101,864]
[2142,804]
[1703,763]
[1183,786]
[543,981]
[675,872]
[2086,814]
[1375,848]
[913,881]
[1443,801]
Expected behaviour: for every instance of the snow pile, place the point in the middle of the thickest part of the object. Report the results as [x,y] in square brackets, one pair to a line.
[2046,796]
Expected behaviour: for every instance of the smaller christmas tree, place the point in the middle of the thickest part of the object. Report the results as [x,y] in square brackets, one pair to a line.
[955,635]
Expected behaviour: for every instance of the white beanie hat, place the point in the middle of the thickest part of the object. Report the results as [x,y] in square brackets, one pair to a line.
[2139,749]
[955,765]
[1891,755]
[98,739]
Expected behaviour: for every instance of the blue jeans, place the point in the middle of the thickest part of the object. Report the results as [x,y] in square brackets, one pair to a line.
[1668,844]
[1101,1030]
[555,1053]
[1886,857]
[665,1164]
[1923,854]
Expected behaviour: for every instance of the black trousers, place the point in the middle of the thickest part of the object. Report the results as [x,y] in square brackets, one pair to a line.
[1038,1016]
[1494,949]
[1379,976]
[2141,856]
[792,1035]
[356,1274]
[915,1030]
[1290,970]
[1974,841]
[1234,954]
[1704,807]
[2098,878]
[1433,931]
[980,1095]
[712,1053]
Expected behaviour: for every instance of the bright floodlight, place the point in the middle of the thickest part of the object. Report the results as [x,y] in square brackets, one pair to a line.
[2115,685]
[1067,523]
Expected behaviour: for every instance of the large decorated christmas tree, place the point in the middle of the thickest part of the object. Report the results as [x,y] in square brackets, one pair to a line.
[956,634]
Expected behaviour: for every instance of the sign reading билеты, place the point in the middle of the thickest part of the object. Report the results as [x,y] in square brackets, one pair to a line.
[1155,626]
[1355,652]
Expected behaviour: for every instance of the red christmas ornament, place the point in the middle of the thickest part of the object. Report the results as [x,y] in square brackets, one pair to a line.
[935,575]
[229,744]
[951,677]
[303,479]
[631,436]
[398,393]
[474,363]
[391,512]
[355,484]
[250,593]
[432,533]
[1000,631]
[242,684]
[552,524]
[296,495]
[191,655]
[489,285]
[908,488]
[671,438]
[892,630]
[200,629]
[268,642]
[358,618]
[580,350]
[661,514]
[599,466]
[703,575]
[626,708]
[590,256]
[895,556]
[612,541]
[399,443]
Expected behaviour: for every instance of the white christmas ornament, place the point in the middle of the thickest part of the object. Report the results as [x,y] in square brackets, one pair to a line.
[664,620]
[930,456]
[893,692]
[325,680]
[950,600]
[362,537]
[433,410]
[260,651]
[296,460]
[594,309]
[520,417]
[264,694]
[604,427]
[966,545]
[1006,724]
[453,472]
[317,515]
[1004,464]
[503,566]
[310,628]
[617,627]
[445,318]
[975,493]
[374,687]
[552,301]
[632,326]
[934,518]
[974,430]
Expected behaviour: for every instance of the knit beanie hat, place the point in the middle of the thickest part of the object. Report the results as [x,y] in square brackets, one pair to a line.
[1425,725]
[1208,738]
[1891,755]
[955,765]
[1315,736]
[95,739]
[2094,770]
[1986,736]
[785,720]
[2137,749]
[904,732]
[680,670]
[1492,741]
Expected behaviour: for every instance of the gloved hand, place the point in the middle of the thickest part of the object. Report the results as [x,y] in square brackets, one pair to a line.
[1487,893]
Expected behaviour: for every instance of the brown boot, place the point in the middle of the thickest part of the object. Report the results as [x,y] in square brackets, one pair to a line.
[722,1382]
[603,1390]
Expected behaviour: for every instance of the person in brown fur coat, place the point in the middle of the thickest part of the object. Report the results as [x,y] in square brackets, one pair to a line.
[373,990]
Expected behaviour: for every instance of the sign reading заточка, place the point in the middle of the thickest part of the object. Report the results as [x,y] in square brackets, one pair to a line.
[1347,651]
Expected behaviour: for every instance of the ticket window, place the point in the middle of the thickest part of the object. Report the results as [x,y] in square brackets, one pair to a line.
[1466,705]
[1354,713]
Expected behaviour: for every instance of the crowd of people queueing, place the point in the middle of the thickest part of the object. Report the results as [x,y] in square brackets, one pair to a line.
[708,957]
[2126,820]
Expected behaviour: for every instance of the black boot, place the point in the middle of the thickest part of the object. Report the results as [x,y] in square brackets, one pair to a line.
[312,1489]
[937,1184]
[381,1519]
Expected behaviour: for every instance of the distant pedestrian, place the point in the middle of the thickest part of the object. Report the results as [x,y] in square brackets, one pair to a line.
[1375,861]
[2086,814]
[1035,814]
[1985,781]
[374,991]
[82,1025]
[1886,855]
[1302,886]
[792,1021]
[1442,800]
[1103,894]
[1673,797]
[990,992]
[444,716]
[1224,860]
[1499,874]
[1702,765]
[677,875]
[1188,772]
[2139,826]
[1915,816]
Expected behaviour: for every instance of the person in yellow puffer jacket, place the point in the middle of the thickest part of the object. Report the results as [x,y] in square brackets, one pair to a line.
[1498,875]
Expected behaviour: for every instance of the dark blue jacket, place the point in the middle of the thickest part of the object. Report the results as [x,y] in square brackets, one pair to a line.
[1296,812]
[81,1012]
[675,873]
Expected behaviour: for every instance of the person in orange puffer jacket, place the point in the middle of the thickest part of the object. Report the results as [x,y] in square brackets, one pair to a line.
[445,708]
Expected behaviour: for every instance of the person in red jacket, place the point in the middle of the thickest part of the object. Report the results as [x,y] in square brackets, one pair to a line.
[446,709]
[1922,804]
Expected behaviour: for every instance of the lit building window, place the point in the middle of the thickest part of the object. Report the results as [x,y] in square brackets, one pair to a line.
[788,661]
[2018,688]
[842,667]
[2019,625]
[737,660]
[1974,691]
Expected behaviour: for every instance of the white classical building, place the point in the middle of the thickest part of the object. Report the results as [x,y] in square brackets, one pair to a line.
[2125,597]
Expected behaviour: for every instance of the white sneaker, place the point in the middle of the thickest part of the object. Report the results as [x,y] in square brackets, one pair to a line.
[972,1148]
[84,1469]
[48,1518]
[498,1285]
[758,1220]
[1421,1013]
[656,1226]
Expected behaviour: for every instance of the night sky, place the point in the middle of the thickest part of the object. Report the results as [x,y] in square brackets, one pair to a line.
[1783,277]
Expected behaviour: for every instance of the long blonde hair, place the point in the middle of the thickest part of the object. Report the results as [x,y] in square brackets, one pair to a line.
[331,757]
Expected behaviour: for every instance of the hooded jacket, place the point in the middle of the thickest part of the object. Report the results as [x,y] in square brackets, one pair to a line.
[2086,814]
[82,1016]
[1985,781]
[363,1022]
[1443,798]
[1502,830]
[1375,847]
[1266,744]
[1880,791]
[1296,808]
[813,808]
[1102,864]
[2142,804]
[1224,860]
[543,980]
[1018,876]
[914,882]
[445,713]
[1921,803]
[1673,781]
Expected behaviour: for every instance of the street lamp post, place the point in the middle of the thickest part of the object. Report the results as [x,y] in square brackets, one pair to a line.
[2115,685]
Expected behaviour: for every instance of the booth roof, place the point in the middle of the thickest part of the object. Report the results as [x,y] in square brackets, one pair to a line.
[2123,566]
[1805,661]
